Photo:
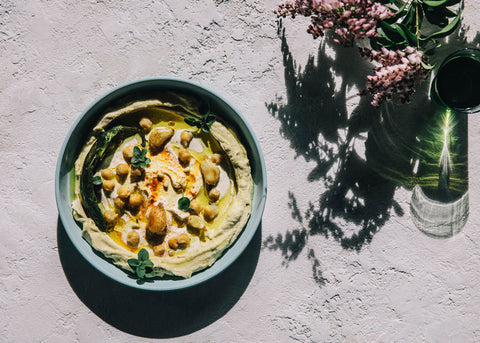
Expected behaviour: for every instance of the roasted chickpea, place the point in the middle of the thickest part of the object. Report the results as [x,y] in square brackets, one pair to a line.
[108,185]
[210,212]
[184,156]
[216,158]
[135,200]
[124,192]
[186,137]
[183,239]
[110,216]
[159,250]
[107,174]
[122,170]
[214,194]
[136,174]
[195,222]
[146,124]
[133,238]
[195,206]
[158,137]
[157,220]
[173,243]
[119,202]
[128,153]
[210,172]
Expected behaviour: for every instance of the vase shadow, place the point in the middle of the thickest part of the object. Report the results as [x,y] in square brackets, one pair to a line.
[157,314]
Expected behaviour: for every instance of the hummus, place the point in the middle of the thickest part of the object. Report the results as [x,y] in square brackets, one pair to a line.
[185,204]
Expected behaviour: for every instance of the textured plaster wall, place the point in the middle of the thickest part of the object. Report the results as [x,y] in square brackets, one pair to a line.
[291,284]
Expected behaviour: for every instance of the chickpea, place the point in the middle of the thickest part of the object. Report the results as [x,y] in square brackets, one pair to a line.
[171,252]
[210,172]
[133,238]
[157,220]
[173,243]
[146,124]
[195,222]
[214,194]
[122,170]
[128,153]
[136,174]
[108,185]
[183,239]
[158,137]
[186,137]
[124,192]
[195,206]
[135,200]
[216,158]
[210,212]
[107,174]
[159,250]
[110,216]
[184,156]
[119,202]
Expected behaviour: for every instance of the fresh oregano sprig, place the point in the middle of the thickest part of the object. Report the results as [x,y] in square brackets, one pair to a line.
[142,266]
[139,159]
[204,123]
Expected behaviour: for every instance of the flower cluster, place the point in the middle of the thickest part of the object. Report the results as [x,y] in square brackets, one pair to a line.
[397,74]
[351,19]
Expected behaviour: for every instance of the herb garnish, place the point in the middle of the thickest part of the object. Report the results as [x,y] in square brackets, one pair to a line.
[139,160]
[184,204]
[207,120]
[142,266]
[97,180]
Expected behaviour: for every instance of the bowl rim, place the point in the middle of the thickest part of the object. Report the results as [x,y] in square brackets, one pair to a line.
[241,242]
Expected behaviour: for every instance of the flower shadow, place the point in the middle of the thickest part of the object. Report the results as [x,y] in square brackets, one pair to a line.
[349,149]
[157,314]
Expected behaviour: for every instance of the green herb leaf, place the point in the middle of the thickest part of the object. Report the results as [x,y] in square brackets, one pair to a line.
[139,160]
[435,3]
[149,272]
[448,29]
[148,263]
[97,180]
[140,270]
[133,263]
[143,255]
[184,203]
[190,121]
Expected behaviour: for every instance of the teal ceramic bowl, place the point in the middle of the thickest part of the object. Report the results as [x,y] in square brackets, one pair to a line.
[81,130]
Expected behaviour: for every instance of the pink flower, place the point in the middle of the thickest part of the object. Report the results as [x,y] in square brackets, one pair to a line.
[397,73]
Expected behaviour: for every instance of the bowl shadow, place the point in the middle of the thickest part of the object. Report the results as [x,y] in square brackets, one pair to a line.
[154,314]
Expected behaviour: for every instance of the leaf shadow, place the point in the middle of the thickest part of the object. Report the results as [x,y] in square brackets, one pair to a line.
[355,198]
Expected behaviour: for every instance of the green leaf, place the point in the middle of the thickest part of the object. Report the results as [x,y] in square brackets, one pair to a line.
[209,119]
[149,273]
[140,271]
[143,254]
[435,3]
[190,121]
[137,151]
[147,263]
[392,33]
[448,29]
[427,66]
[97,180]
[205,127]
[133,263]
[407,34]
[184,203]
